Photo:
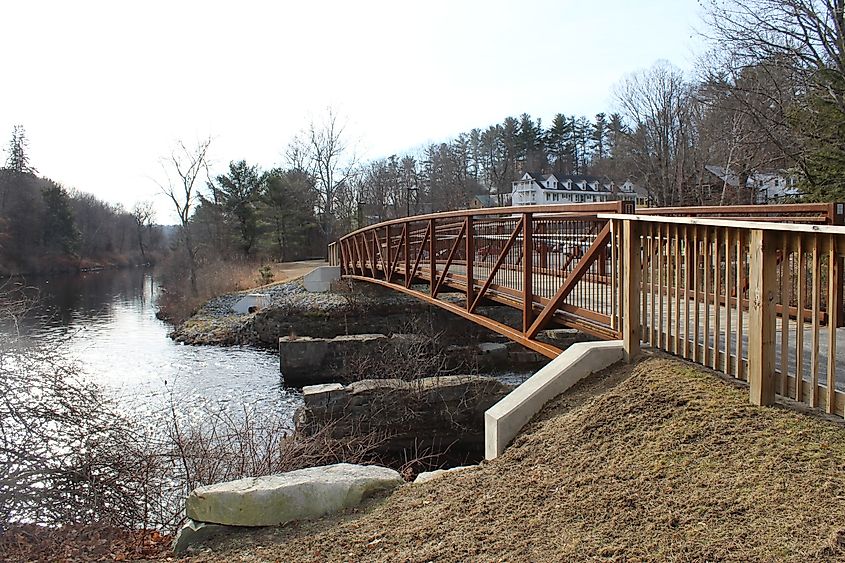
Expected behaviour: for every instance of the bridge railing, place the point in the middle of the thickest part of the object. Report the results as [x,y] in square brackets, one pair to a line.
[759,301]
[558,265]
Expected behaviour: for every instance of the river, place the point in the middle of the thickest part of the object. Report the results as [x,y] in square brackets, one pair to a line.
[105,323]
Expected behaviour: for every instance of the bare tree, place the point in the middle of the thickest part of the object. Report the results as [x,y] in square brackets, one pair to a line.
[143,215]
[182,169]
[323,151]
[656,104]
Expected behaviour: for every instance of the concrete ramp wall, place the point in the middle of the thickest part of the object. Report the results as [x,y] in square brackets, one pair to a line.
[504,420]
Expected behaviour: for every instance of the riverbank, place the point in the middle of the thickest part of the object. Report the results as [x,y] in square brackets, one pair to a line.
[665,461]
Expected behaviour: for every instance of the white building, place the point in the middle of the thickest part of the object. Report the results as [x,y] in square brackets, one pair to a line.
[770,186]
[551,189]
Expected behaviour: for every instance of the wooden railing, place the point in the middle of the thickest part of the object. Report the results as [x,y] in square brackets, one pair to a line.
[756,298]
[759,301]
[334,254]
[460,260]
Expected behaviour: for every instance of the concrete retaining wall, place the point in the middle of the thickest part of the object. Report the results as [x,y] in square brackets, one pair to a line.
[504,420]
[319,280]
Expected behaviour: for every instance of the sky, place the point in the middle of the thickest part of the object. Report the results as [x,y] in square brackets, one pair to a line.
[105,90]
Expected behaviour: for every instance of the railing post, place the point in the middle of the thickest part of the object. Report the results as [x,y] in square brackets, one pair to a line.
[631,291]
[432,254]
[527,270]
[762,286]
[407,250]
[470,252]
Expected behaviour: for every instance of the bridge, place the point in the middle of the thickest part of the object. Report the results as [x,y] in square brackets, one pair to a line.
[755,292]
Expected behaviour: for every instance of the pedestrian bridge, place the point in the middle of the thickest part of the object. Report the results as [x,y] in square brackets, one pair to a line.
[755,292]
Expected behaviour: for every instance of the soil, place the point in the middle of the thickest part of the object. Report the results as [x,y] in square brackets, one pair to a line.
[664,461]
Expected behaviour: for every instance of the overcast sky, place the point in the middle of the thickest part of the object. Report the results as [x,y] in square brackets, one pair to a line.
[105,89]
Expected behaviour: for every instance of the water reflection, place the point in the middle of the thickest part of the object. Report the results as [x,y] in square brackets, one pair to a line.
[106,322]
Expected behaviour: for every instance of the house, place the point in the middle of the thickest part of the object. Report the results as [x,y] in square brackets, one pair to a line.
[483,200]
[761,187]
[550,189]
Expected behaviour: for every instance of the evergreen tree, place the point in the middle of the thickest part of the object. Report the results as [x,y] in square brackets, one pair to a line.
[18,159]
[59,230]
[237,193]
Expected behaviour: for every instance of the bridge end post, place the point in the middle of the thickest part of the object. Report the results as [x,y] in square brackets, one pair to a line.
[762,287]
[632,273]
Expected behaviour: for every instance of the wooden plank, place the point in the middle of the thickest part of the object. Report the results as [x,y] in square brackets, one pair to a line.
[661,285]
[740,288]
[527,270]
[728,289]
[697,311]
[677,253]
[786,300]
[652,301]
[687,282]
[571,280]
[631,256]
[761,325]
[646,261]
[834,308]
[799,322]
[615,227]
[717,290]
[707,281]
[814,347]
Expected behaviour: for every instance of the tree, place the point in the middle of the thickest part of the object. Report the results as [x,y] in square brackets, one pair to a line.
[60,232]
[143,215]
[18,159]
[182,169]
[798,47]
[323,152]
[656,103]
[288,212]
[238,193]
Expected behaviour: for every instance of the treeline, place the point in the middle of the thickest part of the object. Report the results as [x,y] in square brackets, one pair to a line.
[47,228]
[253,214]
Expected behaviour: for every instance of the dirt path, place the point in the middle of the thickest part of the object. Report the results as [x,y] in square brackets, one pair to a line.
[668,464]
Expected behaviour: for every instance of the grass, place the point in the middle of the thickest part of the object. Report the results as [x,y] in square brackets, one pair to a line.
[659,462]
[177,303]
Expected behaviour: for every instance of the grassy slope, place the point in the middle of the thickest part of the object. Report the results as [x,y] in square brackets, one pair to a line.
[670,464]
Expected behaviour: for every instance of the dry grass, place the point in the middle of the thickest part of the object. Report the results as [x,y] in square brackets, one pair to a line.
[177,303]
[670,464]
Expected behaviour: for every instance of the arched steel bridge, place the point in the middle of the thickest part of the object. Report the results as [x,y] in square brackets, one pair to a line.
[753,291]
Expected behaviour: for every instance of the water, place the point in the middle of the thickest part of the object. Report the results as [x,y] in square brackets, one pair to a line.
[105,322]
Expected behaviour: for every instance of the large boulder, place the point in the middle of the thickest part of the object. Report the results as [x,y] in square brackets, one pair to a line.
[296,495]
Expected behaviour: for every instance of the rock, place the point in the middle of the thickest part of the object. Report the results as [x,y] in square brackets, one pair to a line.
[194,532]
[427,476]
[433,413]
[296,495]
[307,361]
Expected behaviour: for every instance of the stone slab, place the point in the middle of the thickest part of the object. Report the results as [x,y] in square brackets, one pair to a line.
[296,495]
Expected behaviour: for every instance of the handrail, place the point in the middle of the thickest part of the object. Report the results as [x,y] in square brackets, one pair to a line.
[830,213]
[580,208]
[739,224]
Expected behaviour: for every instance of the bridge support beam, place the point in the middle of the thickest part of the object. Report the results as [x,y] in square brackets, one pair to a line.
[631,292]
